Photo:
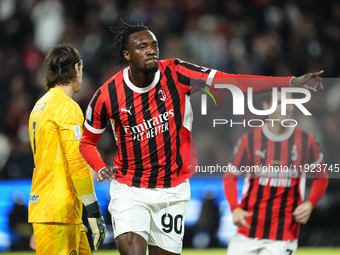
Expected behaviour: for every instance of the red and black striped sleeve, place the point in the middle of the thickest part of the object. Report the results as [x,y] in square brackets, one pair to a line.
[259,84]
[320,178]
[240,158]
[94,126]
[193,76]
[190,76]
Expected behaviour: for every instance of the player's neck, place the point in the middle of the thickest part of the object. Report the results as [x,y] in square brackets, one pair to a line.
[141,79]
[277,129]
[67,88]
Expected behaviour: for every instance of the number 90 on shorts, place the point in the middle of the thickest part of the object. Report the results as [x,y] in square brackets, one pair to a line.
[155,214]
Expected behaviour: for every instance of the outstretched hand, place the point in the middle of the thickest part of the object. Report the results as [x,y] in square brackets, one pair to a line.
[310,81]
[107,173]
[239,217]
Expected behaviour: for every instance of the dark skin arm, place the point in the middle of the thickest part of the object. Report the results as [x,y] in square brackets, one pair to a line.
[310,81]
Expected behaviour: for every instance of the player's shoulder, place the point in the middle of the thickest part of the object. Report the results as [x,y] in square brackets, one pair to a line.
[304,133]
[57,98]
[114,80]
[244,137]
[252,135]
[307,136]
[55,104]
[253,132]
[172,62]
[68,108]
[169,62]
[105,89]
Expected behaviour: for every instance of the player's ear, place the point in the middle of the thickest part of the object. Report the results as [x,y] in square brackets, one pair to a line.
[77,67]
[126,55]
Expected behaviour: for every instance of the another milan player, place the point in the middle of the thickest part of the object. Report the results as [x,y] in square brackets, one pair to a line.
[148,106]
[272,206]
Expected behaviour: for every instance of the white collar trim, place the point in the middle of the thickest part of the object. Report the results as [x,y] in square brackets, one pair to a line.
[277,138]
[135,88]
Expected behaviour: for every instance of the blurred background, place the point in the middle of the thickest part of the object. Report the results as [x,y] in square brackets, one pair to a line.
[262,37]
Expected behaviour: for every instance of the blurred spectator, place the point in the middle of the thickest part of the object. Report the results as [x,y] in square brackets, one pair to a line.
[48,20]
[21,231]
[5,149]
[205,230]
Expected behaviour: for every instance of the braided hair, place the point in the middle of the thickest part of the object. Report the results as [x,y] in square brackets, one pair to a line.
[123,33]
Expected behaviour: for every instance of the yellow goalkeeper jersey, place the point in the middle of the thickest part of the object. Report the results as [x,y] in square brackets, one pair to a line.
[60,175]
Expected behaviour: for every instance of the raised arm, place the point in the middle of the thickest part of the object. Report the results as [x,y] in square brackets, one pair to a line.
[260,84]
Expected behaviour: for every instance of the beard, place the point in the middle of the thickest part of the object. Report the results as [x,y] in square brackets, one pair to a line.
[146,68]
[150,68]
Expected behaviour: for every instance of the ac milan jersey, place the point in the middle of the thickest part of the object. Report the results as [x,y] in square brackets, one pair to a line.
[272,196]
[152,125]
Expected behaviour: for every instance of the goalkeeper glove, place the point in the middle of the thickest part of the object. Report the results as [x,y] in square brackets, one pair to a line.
[97,224]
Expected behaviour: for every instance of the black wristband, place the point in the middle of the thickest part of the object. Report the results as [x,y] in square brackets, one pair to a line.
[94,210]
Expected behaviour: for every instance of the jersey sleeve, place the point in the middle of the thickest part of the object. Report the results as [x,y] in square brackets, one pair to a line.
[241,156]
[94,126]
[190,76]
[320,175]
[193,77]
[258,83]
[70,127]
[240,159]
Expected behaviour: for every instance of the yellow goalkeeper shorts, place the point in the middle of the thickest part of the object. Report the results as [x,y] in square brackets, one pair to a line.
[61,239]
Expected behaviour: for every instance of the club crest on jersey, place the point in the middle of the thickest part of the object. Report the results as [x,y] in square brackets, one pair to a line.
[161,95]
[113,223]
[294,153]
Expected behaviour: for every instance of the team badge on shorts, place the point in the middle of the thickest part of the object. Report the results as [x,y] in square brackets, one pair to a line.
[74,252]
[161,95]
[113,223]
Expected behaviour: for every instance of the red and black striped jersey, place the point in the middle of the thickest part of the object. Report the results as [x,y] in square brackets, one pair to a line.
[152,125]
[273,195]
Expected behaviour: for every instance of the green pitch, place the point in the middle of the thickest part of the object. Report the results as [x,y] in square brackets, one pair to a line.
[300,251]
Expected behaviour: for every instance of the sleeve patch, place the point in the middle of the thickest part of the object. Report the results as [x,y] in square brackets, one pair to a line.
[77,131]
[89,113]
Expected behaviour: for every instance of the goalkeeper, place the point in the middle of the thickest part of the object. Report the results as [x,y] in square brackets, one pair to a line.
[61,179]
